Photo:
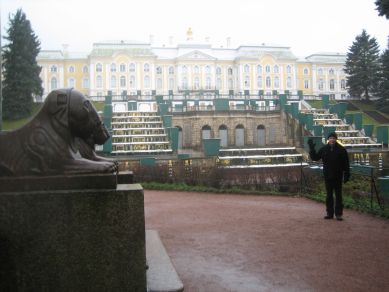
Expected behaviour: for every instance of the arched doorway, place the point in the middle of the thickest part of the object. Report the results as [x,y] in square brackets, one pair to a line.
[206,132]
[261,135]
[223,135]
[239,136]
[180,137]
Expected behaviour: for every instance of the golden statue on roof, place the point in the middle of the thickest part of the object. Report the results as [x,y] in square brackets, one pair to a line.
[189,35]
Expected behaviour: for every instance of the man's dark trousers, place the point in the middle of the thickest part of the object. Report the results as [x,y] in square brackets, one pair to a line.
[334,184]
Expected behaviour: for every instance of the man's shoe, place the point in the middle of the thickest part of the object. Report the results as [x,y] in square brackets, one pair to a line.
[339,218]
[328,217]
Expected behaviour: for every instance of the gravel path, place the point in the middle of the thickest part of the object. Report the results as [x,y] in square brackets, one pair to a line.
[266,243]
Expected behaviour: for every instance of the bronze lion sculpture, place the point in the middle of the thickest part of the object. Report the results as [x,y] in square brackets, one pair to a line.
[60,139]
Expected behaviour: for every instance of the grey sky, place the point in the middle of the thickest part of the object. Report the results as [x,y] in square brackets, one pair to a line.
[307,26]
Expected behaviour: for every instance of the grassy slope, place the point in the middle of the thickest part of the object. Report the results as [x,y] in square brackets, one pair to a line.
[363,106]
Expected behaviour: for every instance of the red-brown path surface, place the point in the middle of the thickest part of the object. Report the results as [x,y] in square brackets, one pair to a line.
[266,243]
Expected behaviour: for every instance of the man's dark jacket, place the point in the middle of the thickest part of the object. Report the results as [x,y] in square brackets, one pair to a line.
[335,160]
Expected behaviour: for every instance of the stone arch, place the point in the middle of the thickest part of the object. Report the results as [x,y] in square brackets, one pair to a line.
[239,135]
[261,135]
[223,135]
[206,132]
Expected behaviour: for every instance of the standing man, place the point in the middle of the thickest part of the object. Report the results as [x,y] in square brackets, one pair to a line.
[336,168]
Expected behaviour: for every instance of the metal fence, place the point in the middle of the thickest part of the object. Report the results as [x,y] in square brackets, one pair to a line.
[368,187]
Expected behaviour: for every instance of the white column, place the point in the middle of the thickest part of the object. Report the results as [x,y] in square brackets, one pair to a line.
[314,80]
[92,89]
[107,72]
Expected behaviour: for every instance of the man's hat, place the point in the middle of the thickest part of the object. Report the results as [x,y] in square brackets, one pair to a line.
[333,134]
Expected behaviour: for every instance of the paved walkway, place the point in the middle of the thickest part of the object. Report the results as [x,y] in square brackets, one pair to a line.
[266,243]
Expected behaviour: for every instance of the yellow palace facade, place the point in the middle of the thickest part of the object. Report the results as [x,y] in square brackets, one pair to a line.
[144,69]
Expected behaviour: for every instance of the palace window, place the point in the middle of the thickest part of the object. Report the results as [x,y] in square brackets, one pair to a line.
[132,67]
[99,67]
[332,84]
[306,71]
[196,83]
[171,70]
[53,69]
[259,82]
[53,83]
[246,69]
[158,70]
[230,84]
[196,70]
[184,83]
[208,83]
[85,83]
[147,82]
[113,67]
[159,83]
[218,71]
[320,84]
[123,81]
[320,71]
[306,84]
[85,69]
[218,83]
[331,71]
[71,82]
[122,68]
[276,82]
[276,69]
[132,81]
[207,69]
[343,84]
[146,68]
[259,69]
[267,69]
[71,69]
[184,69]
[288,69]
[289,82]
[268,82]
[247,82]
[113,81]
[171,84]
[99,82]
[230,71]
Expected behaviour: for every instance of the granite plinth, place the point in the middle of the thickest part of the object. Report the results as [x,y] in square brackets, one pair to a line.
[73,240]
[58,182]
[125,177]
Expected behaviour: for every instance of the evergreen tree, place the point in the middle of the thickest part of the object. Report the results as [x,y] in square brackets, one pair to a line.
[384,88]
[383,7]
[363,66]
[20,68]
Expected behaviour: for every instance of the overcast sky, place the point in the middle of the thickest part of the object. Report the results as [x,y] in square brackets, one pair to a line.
[307,26]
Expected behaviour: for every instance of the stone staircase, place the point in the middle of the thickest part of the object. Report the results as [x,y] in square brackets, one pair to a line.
[348,136]
[135,132]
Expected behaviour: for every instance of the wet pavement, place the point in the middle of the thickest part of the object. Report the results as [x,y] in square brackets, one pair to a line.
[268,243]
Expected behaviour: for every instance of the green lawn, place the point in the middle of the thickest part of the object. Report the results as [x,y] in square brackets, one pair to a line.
[365,106]
[99,105]
[13,125]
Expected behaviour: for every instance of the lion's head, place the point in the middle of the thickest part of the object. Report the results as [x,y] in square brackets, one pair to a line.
[71,109]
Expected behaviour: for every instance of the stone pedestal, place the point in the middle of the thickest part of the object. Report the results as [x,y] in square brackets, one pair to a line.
[74,240]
